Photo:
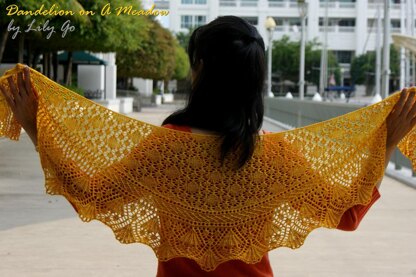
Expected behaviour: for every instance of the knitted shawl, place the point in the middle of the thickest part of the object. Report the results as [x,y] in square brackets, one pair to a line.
[167,188]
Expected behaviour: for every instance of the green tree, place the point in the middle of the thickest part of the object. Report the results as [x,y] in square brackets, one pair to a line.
[95,33]
[286,59]
[313,54]
[183,37]
[109,33]
[101,33]
[24,21]
[154,60]
[181,63]
[363,68]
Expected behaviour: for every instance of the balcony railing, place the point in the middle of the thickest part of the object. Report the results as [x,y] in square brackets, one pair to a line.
[349,5]
[330,4]
[162,4]
[374,5]
[294,4]
[329,29]
[278,4]
[337,4]
[238,3]
[374,29]
[338,29]
[345,29]
[287,29]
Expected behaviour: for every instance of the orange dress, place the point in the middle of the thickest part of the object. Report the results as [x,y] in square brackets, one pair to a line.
[178,267]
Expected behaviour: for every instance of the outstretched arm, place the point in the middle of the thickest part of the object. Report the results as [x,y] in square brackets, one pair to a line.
[23,101]
[400,121]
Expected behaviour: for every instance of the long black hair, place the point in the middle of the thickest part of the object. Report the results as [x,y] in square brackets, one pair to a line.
[227,94]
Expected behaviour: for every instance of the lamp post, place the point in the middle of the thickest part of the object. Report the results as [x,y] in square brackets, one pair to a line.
[303,7]
[270,25]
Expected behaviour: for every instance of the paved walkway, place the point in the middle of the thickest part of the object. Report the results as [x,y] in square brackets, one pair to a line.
[41,235]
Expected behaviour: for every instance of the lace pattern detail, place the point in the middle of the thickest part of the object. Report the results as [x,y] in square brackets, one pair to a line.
[167,189]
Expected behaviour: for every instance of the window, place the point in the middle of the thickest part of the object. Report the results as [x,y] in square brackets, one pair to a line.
[346,22]
[335,1]
[248,3]
[197,2]
[278,20]
[395,23]
[276,3]
[251,19]
[341,1]
[200,20]
[186,21]
[294,21]
[189,21]
[344,56]
[331,22]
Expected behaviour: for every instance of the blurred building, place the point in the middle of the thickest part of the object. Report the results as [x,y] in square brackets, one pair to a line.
[352,24]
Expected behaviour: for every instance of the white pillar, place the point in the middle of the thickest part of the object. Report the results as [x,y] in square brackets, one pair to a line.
[323,80]
[110,76]
[410,80]
[263,13]
[302,53]
[378,52]
[269,65]
[174,18]
[145,86]
[313,20]
[360,27]
[91,77]
[146,4]
[213,6]
[386,51]
[402,50]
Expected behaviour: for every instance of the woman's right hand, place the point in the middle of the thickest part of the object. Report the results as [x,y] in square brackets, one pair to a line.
[402,118]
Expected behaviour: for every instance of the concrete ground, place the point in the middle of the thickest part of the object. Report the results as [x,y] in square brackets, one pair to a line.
[41,235]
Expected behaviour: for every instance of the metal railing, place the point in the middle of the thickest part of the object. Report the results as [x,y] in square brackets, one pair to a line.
[297,113]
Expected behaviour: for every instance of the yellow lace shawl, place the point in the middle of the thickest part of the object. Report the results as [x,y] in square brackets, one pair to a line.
[167,189]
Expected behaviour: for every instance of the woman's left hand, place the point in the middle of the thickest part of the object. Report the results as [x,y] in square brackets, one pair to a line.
[23,100]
